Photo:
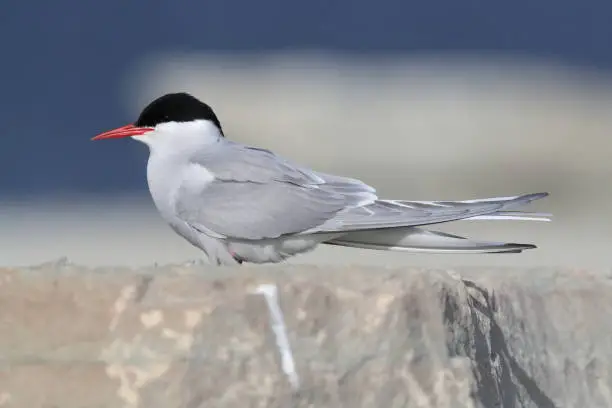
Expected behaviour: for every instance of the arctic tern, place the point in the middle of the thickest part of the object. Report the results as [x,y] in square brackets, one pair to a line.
[245,204]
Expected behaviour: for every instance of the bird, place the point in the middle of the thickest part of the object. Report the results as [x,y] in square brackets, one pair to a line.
[239,203]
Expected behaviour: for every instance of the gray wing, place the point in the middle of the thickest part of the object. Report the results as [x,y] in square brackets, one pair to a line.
[257,195]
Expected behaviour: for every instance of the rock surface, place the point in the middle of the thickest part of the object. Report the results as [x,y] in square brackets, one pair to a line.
[196,336]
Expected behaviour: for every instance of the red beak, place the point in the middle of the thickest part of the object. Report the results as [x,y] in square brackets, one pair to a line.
[123,131]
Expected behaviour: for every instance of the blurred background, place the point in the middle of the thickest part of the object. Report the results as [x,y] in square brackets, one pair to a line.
[424,100]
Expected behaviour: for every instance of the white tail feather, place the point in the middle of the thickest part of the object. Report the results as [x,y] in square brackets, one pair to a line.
[512,215]
[412,239]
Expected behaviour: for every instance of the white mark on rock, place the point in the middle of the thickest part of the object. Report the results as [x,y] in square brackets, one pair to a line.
[152,318]
[121,304]
[5,398]
[183,341]
[383,301]
[192,318]
[135,365]
[270,293]
[143,359]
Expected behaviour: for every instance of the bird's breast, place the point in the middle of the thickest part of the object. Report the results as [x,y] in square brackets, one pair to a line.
[167,177]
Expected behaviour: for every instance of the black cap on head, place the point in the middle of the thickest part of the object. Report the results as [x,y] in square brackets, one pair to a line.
[176,107]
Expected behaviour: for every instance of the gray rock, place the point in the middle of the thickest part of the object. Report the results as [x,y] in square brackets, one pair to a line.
[193,336]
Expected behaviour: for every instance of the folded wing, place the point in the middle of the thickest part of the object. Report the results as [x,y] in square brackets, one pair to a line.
[257,195]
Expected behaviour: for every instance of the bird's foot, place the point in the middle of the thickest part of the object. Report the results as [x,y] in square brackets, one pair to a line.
[236,257]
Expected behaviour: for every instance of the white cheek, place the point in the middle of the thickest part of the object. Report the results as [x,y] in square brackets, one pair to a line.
[180,137]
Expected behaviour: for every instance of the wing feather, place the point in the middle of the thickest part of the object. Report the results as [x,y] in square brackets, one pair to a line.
[256,195]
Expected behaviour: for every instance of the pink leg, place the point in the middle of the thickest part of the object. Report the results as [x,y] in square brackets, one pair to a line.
[236,257]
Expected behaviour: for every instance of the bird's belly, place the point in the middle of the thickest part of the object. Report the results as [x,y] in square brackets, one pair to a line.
[276,250]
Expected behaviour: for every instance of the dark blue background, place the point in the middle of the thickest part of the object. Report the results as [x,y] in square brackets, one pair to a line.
[62,61]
